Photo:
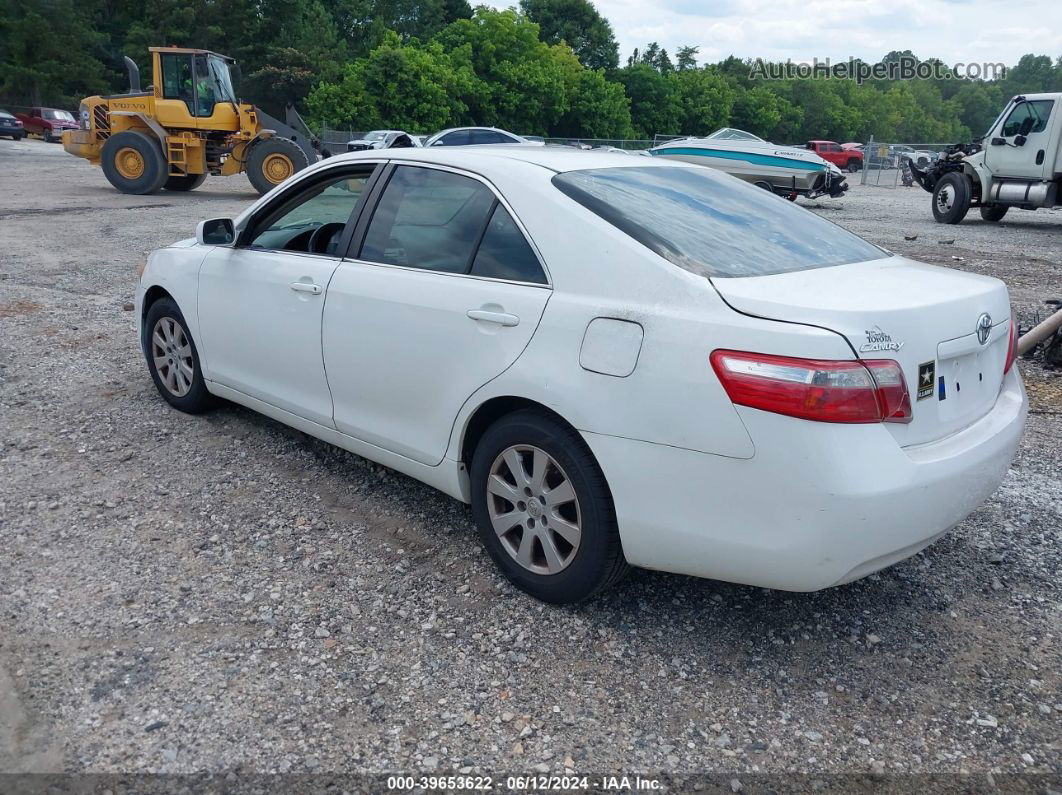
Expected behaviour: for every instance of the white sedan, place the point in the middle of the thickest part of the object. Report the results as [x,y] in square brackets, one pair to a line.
[617,361]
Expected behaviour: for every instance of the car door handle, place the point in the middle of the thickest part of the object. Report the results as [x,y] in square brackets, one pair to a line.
[307,287]
[501,318]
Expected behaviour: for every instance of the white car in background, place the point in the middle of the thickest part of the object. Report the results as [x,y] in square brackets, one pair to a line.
[476,136]
[614,360]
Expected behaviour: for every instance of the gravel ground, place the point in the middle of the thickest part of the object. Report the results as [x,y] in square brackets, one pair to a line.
[222,593]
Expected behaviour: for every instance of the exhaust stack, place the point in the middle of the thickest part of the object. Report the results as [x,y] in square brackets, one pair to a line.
[134,75]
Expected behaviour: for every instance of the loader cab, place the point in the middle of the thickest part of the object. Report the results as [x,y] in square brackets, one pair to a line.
[194,88]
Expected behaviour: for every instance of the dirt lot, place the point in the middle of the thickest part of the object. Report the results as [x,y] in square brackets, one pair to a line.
[221,593]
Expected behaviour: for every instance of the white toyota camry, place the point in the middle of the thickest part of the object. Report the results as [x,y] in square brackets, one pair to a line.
[617,361]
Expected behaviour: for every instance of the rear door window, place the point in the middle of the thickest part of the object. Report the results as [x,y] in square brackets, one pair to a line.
[505,253]
[427,218]
[712,224]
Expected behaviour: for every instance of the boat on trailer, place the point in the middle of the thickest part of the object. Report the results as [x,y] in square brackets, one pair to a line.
[787,171]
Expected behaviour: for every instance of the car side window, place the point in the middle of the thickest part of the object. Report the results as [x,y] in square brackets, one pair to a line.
[428,219]
[1039,110]
[459,138]
[505,253]
[312,222]
[486,137]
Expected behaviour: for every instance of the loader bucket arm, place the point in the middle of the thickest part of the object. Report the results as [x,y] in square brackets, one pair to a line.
[303,140]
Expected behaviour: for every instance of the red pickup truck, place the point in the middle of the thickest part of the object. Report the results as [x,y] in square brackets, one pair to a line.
[48,123]
[850,160]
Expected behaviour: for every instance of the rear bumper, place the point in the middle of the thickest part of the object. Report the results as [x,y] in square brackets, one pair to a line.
[828,505]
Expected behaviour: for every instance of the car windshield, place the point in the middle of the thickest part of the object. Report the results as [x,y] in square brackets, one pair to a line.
[712,224]
[58,115]
[376,135]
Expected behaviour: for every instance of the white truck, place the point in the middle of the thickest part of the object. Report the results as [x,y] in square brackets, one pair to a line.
[1017,164]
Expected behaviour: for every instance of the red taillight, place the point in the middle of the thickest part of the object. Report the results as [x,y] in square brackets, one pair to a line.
[814,389]
[1012,343]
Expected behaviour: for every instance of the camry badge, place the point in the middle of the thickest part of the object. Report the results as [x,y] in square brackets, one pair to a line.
[878,340]
[984,328]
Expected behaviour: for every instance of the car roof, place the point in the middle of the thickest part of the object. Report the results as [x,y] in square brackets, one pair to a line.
[489,157]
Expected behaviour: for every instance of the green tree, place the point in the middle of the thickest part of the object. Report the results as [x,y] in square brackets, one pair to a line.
[686,58]
[51,52]
[523,88]
[655,108]
[578,24]
[705,98]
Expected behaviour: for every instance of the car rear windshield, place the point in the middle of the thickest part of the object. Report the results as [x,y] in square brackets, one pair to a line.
[712,224]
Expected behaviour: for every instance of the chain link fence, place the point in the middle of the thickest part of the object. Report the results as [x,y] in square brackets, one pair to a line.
[884,163]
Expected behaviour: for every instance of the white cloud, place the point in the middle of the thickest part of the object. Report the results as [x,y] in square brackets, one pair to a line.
[951,30]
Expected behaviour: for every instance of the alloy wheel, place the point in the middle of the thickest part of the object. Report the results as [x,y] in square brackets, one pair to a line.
[534,510]
[171,352]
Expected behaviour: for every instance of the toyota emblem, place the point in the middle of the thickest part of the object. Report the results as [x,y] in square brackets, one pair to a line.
[984,328]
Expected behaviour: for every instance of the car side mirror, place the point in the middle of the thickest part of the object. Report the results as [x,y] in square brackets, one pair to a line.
[1020,140]
[999,142]
[216,232]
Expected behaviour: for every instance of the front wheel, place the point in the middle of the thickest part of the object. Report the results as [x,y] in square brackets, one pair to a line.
[993,212]
[173,359]
[272,161]
[544,510]
[951,198]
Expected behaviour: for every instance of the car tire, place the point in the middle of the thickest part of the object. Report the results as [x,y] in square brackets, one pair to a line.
[993,212]
[184,182]
[531,539]
[133,162]
[173,359]
[272,161]
[853,166]
[951,198]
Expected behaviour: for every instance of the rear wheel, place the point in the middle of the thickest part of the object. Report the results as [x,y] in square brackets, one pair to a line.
[765,185]
[853,166]
[132,161]
[184,181]
[951,198]
[272,161]
[544,510]
[993,212]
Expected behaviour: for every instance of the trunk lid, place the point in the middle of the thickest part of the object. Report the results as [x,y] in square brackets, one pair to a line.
[924,317]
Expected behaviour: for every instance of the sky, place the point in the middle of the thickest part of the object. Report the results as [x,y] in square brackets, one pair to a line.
[952,30]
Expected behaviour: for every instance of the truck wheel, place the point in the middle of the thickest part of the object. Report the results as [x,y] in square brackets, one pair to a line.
[133,162]
[993,212]
[272,161]
[853,166]
[184,181]
[951,198]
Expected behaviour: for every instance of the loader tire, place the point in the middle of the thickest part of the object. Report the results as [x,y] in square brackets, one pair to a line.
[184,182]
[133,162]
[272,161]
[951,198]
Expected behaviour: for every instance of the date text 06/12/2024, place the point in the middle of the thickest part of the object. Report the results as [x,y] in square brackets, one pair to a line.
[525,783]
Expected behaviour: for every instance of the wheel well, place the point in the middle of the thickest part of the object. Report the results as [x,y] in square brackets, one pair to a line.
[492,411]
[153,294]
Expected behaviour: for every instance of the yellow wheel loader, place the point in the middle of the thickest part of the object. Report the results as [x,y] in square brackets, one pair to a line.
[186,125]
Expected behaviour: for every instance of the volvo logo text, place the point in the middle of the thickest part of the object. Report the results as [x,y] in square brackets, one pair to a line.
[984,327]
